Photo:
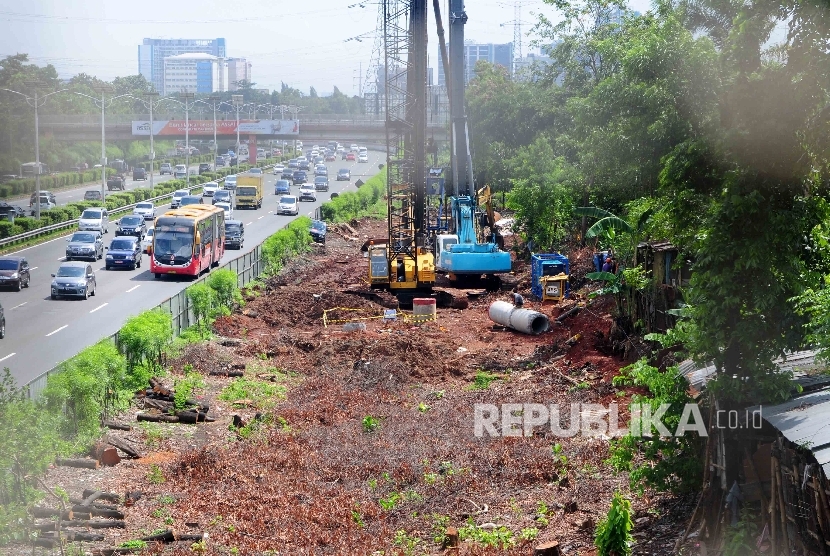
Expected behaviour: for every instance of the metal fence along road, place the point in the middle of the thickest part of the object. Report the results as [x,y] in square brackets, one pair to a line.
[248,267]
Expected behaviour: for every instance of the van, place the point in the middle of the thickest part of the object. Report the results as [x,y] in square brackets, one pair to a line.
[180,172]
[177,197]
[94,219]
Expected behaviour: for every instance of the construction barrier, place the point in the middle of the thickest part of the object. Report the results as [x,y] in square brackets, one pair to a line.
[389,314]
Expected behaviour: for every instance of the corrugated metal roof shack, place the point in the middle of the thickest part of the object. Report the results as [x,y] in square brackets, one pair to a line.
[670,271]
[775,460]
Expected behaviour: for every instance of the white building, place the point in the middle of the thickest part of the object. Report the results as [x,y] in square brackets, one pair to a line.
[194,73]
[152,52]
[238,69]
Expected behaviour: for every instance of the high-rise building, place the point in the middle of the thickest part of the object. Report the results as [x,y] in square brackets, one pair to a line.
[152,52]
[239,69]
[193,73]
[497,54]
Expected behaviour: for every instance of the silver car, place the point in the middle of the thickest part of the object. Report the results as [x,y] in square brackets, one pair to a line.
[74,279]
[85,245]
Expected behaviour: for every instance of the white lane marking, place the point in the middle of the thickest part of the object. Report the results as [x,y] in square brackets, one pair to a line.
[133,288]
[61,258]
[249,223]
[99,307]
[58,330]
[310,212]
[270,212]
[33,268]
[9,355]
[261,217]
[21,305]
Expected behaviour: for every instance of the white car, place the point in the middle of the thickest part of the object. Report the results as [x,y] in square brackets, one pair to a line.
[288,205]
[363,157]
[147,240]
[209,189]
[227,208]
[279,169]
[230,183]
[307,192]
[177,197]
[145,209]
[180,172]
[354,148]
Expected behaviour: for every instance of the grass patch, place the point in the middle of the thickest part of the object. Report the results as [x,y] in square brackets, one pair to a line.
[482,380]
[257,393]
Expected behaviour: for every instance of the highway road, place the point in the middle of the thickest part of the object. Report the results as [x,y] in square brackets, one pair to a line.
[40,332]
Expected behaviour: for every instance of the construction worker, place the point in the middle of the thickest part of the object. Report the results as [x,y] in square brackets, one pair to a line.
[518,300]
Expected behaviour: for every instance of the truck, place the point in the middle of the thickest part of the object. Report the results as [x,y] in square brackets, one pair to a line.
[249,191]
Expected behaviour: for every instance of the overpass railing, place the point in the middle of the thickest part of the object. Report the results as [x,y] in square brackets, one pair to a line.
[305,119]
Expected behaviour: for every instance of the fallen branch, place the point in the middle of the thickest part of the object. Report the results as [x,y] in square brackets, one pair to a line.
[157,418]
[41,512]
[568,313]
[227,373]
[90,524]
[84,463]
[98,511]
[108,496]
[117,426]
[123,446]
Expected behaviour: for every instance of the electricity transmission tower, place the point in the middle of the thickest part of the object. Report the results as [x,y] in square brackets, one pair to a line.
[517,32]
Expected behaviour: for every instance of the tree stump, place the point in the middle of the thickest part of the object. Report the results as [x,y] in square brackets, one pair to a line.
[547,549]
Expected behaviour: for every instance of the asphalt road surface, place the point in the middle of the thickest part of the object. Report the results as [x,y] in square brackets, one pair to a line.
[40,332]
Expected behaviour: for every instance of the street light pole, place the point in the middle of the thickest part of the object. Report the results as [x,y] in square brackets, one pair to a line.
[103,150]
[237,101]
[151,96]
[214,99]
[185,97]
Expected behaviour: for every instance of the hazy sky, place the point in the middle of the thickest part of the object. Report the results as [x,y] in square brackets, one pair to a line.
[301,43]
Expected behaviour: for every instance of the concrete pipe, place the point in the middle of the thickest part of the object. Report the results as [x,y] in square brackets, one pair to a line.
[523,320]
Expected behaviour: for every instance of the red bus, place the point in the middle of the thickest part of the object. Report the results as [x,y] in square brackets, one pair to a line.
[188,240]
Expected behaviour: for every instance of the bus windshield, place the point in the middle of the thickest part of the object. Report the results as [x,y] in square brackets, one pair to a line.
[173,242]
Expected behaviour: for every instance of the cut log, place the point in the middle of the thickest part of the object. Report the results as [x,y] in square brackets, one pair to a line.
[86,523]
[161,405]
[46,543]
[92,497]
[41,512]
[110,457]
[451,540]
[171,536]
[123,446]
[190,417]
[84,463]
[117,426]
[108,496]
[132,497]
[78,536]
[203,407]
[98,511]
[568,313]
[228,373]
[96,504]
[113,551]
[157,418]
[548,549]
[238,422]
[157,387]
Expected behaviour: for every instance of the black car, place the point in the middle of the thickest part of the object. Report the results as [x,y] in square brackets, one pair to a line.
[204,167]
[234,234]
[139,174]
[124,252]
[131,225]
[321,183]
[304,165]
[299,177]
[318,231]
[344,174]
[14,272]
[288,174]
[116,182]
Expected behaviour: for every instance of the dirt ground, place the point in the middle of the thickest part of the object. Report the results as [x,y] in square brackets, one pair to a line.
[372,447]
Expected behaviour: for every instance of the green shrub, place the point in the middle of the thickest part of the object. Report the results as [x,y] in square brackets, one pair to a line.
[613,534]
[225,283]
[203,300]
[368,200]
[293,240]
[6,228]
[142,340]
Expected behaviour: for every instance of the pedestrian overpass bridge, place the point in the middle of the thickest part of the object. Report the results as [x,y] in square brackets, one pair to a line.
[366,128]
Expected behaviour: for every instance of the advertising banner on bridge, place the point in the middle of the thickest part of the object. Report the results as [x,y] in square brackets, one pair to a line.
[169,128]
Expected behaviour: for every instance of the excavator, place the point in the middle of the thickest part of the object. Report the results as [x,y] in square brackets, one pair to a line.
[407,259]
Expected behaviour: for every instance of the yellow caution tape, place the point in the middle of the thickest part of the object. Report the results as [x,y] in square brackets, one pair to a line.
[408,318]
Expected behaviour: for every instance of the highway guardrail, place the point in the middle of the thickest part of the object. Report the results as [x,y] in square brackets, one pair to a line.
[70,223]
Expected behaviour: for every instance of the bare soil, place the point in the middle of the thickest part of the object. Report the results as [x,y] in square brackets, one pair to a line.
[317,481]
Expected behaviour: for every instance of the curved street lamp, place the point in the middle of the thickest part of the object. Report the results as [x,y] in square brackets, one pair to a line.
[102,103]
[36,101]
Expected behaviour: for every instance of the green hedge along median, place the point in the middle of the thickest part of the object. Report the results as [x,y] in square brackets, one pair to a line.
[367,201]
